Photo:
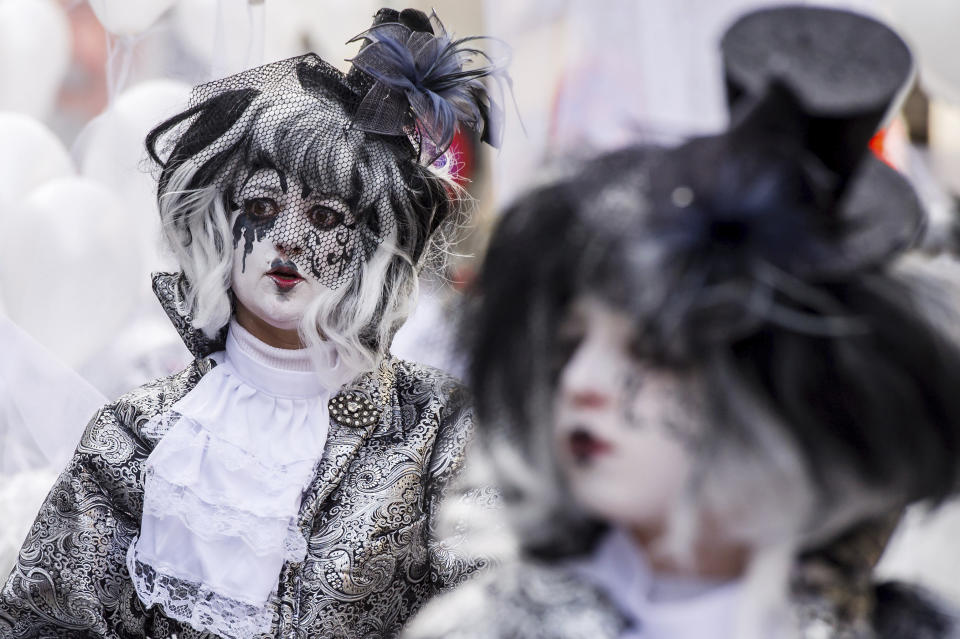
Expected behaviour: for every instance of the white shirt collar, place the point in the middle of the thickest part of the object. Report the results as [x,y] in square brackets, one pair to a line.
[283,372]
[658,607]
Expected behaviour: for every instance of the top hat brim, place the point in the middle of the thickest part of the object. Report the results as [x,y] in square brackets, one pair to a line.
[882,214]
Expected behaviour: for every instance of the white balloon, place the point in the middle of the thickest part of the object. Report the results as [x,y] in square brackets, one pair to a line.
[35,44]
[31,155]
[329,30]
[294,27]
[129,17]
[221,33]
[930,27]
[69,267]
[285,31]
[111,151]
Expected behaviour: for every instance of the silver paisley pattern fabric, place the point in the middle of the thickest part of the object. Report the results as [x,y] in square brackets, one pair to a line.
[522,600]
[369,517]
[833,596]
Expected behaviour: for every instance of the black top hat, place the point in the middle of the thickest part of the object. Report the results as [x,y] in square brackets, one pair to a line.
[847,71]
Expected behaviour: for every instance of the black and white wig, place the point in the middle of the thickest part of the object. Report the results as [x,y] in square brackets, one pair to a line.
[823,356]
[318,128]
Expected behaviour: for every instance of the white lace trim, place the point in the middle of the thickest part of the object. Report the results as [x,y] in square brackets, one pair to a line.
[197,605]
[272,478]
[263,535]
[224,485]
[160,425]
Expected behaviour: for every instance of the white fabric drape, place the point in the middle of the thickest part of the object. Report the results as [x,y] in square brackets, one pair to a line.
[44,407]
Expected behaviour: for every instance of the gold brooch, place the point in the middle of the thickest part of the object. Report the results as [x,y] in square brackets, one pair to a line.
[352,409]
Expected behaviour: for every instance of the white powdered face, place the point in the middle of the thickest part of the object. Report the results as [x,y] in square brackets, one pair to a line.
[275,262]
[625,431]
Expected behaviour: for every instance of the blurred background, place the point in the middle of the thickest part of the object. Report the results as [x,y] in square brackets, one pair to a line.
[82,81]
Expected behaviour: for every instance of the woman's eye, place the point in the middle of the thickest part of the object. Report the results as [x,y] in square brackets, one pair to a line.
[325,218]
[260,208]
[637,350]
[568,341]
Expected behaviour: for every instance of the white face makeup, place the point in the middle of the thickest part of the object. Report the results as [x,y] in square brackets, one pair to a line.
[624,430]
[289,246]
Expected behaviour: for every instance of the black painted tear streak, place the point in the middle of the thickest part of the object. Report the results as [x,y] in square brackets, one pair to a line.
[252,231]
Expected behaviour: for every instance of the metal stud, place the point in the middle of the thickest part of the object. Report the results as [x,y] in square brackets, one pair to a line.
[353,409]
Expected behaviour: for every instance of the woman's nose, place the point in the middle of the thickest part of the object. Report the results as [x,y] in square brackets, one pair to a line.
[286,236]
[589,399]
[582,380]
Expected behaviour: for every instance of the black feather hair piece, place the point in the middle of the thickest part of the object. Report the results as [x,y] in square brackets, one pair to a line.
[421,85]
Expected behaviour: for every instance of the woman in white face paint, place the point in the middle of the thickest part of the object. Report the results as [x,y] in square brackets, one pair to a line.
[719,380]
[285,483]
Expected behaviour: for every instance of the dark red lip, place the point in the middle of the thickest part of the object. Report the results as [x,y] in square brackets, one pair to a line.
[284,277]
[585,446]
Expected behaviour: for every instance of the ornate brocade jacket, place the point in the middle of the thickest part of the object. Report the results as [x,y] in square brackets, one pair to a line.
[832,596]
[369,515]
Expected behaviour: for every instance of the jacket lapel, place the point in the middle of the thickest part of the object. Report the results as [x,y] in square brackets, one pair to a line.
[347,434]
[171,290]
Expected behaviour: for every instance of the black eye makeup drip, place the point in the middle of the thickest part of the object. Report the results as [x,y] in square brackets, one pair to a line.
[252,230]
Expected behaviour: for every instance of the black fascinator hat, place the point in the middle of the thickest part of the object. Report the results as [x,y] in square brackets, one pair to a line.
[412,76]
[409,80]
[847,73]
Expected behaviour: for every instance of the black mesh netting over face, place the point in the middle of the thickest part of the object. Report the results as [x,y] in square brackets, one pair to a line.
[277,142]
[327,165]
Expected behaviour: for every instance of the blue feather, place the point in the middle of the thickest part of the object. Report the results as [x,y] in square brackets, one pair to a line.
[428,70]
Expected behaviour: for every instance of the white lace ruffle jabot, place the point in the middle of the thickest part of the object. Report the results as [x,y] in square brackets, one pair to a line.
[222,489]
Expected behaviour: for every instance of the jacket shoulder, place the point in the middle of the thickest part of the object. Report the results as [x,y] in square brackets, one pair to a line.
[414,378]
[136,407]
[521,599]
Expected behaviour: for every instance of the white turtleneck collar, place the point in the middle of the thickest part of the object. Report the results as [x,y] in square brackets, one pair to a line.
[284,372]
[240,341]
[225,483]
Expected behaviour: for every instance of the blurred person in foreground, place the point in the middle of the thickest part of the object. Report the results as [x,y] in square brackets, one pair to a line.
[719,378]
[285,483]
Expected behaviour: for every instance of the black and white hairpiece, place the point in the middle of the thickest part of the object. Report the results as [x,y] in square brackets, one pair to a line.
[361,206]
